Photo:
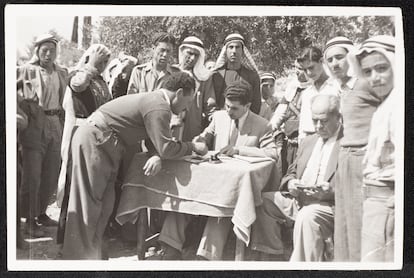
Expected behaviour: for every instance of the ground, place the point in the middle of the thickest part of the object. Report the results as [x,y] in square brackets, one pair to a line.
[45,248]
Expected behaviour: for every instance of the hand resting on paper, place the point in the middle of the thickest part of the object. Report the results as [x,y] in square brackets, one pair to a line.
[229,150]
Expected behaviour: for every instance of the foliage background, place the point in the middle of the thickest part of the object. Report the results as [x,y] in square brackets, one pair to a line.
[273,41]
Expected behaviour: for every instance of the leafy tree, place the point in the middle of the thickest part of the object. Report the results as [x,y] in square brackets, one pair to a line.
[273,41]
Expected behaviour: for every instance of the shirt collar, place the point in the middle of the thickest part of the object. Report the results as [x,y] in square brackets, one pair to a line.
[149,66]
[167,99]
[333,137]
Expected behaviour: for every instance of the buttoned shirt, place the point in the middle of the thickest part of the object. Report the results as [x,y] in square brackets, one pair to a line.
[145,78]
[50,90]
[315,170]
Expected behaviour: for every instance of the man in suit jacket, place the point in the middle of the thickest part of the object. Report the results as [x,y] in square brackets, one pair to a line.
[234,131]
[306,193]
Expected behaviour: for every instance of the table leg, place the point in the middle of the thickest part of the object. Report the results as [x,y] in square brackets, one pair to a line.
[142,229]
[240,248]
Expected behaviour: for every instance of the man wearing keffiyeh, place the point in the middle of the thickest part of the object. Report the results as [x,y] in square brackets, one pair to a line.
[376,64]
[234,63]
[41,97]
[191,55]
[358,103]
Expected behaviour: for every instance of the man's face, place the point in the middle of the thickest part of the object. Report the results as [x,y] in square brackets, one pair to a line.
[47,53]
[325,123]
[162,53]
[235,109]
[181,102]
[234,52]
[313,70]
[267,87]
[300,73]
[377,71]
[336,61]
[190,57]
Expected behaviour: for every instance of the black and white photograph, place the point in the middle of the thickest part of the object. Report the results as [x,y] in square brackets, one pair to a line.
[204,137]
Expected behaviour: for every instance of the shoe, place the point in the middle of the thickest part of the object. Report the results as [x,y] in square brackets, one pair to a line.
[169,253]
[33,229]
[46,221]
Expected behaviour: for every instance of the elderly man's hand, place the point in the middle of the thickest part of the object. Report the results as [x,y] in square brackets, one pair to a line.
[229,150]
[319,192]
[152,166]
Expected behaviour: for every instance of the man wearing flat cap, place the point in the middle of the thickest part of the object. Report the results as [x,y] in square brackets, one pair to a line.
[236,63]
[234,131]
[149,76]
[41,97]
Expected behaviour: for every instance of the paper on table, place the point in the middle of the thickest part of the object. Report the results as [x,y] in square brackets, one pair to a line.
[252,159]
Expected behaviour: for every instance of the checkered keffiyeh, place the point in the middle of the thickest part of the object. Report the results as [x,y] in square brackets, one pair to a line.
[247,59]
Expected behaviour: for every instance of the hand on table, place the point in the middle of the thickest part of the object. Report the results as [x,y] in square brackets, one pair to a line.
[293,187]
[229,150]
[152,166]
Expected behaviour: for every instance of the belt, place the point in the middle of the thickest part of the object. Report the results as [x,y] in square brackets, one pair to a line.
[354,148]
[97,119]
[52,112]
[378,191]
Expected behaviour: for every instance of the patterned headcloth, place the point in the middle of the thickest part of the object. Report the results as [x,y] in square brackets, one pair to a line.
[267,75]
[200,71]
[383,44]
[348,45]
[99,50]
[247,59]
[239,90]
[39,41]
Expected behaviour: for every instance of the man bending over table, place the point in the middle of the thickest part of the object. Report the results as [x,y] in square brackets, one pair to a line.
[235,130]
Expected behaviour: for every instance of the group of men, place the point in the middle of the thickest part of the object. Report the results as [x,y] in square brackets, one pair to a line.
[320,134]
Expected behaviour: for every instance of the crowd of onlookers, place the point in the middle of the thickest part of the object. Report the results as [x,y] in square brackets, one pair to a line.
[331,134]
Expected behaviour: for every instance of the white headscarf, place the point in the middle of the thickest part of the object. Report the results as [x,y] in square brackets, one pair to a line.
[95,49]
[39,41]
[200,71]
[247,59]
[383,44]
[348,45]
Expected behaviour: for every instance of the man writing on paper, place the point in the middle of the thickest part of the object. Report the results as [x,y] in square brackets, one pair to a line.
[309,180]
[234,131]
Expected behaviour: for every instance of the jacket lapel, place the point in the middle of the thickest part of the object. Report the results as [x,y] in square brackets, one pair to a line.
[245,131]
[306,154]
[333,160]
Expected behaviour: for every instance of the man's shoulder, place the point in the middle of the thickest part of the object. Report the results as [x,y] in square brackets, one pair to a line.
[257,119]
[308,140]
[220,114]
[143,67]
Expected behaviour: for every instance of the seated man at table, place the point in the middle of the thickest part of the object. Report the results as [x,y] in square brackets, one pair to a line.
[234,131]
[306,193]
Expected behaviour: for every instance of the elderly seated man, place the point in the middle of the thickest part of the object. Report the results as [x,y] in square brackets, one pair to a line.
[234,131]
[306,193]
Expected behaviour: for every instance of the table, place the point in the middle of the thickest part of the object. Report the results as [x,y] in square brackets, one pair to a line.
[229,189]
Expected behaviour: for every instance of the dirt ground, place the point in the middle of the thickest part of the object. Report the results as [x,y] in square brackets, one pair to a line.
[45,248]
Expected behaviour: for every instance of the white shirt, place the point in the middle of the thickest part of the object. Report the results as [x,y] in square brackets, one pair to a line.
[329,87]
[315,170]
